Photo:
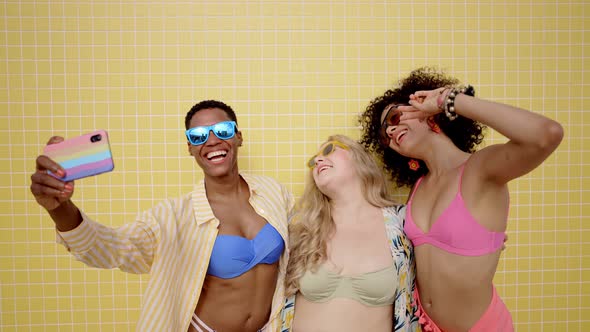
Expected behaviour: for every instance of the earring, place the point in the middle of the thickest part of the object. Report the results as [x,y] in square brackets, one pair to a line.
[414,164]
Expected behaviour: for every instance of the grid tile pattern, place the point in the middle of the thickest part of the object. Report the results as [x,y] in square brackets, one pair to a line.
[295,72]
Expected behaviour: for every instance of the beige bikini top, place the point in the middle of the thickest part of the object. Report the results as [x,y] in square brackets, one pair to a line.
[373,289]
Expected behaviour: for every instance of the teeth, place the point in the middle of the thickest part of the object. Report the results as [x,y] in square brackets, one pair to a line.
[214,154]
[400,135]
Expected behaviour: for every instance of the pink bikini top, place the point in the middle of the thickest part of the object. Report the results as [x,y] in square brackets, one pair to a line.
[455,231]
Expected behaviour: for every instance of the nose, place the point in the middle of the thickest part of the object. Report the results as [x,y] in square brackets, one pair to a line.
[389,131]
[318,159]
[212,139]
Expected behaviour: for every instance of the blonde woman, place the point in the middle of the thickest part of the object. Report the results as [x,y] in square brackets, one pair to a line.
[351,266]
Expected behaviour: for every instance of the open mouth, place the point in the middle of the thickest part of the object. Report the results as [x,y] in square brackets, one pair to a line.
[400,136]
[216,155]
[323,168]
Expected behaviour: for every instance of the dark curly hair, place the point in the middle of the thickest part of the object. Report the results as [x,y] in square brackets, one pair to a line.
[206,104]
[465,133]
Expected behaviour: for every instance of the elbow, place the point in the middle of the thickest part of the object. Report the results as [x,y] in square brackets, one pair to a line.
[551,137]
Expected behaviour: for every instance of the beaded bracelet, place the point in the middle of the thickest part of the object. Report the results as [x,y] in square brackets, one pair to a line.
[450,100]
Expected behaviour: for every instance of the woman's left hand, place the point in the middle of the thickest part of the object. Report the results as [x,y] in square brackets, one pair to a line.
[424,104]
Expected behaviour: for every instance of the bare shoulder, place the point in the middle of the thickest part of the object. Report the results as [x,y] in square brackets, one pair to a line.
[486,200]
[475,178]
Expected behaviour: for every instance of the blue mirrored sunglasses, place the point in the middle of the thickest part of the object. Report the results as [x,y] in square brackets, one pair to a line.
[223,130]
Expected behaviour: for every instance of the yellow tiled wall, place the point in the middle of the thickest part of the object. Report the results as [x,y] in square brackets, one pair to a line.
[295,72]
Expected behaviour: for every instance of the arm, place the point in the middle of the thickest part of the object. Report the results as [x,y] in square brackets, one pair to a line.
[53,194]
[130,248]
[532,137]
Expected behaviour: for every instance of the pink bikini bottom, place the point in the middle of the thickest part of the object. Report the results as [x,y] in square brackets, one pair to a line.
[496,318]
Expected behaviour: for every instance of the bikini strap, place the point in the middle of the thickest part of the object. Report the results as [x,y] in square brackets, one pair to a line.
[461,171]
[414,189]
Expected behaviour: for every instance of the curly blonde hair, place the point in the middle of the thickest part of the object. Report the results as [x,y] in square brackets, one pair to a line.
[312,224]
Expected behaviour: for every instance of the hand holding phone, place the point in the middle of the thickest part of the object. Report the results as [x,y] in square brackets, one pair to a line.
[82,156]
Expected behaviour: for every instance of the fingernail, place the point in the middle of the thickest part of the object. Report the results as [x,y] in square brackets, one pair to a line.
[68,188]
[59,173]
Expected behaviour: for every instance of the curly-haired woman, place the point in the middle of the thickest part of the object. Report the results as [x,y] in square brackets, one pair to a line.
[351,266]
[426,131]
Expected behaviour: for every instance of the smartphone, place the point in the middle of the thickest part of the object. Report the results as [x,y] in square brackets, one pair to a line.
[82,156]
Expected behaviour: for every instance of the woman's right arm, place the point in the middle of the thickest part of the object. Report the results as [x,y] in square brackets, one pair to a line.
[130,247]
[53,194]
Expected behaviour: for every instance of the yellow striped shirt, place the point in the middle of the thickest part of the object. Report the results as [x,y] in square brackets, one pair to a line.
[173,242]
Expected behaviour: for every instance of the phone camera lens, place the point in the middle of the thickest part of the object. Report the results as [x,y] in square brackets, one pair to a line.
[95,138]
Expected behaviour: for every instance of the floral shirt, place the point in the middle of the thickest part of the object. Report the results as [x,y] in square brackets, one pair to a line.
[404,318]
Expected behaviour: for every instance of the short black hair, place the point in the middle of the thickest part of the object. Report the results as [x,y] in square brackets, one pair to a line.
[465,133]
[206,104]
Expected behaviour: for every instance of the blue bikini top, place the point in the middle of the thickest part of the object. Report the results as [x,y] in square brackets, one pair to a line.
[234,255]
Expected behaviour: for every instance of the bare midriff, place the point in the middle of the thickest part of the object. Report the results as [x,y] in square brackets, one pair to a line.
[455,291]
[341,314]
[238,304]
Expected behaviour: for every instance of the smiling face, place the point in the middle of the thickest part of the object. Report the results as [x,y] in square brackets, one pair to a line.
[216,157]
[402,136]
[390,117]
[332,164]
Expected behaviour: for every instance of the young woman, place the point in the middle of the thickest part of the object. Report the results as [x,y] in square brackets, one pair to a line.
[426,130]
[215,256]
[351,266]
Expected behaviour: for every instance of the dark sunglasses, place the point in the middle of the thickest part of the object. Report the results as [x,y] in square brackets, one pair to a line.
[328,149]
[392,118]
[223,130]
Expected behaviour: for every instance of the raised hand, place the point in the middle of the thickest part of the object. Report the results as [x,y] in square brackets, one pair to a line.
[49,191]
[424,104]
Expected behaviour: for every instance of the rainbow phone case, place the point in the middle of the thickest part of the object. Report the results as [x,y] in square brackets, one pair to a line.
[82,156]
